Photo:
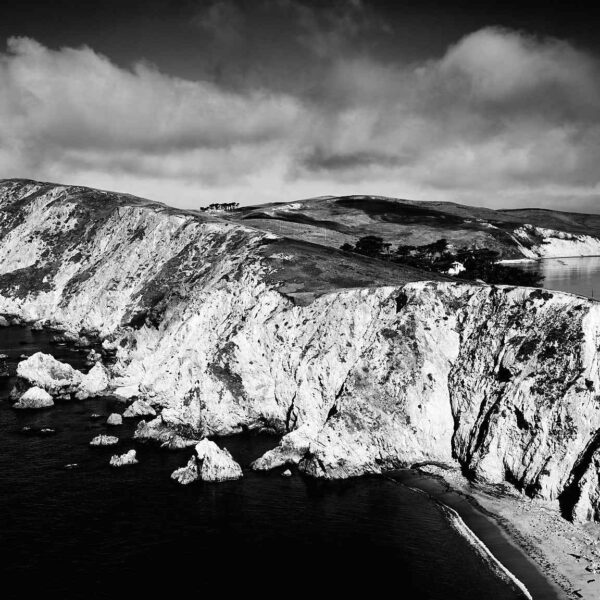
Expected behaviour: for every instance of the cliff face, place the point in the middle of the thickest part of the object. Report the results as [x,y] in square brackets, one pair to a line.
[225,328]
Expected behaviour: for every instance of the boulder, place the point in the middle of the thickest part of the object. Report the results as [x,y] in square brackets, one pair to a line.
[3,322]
[104,440]
[35,397]
[139,408]
[129,458]
[286,473]
[114,419]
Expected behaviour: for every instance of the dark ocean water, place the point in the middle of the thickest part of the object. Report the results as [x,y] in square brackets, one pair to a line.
[96,532]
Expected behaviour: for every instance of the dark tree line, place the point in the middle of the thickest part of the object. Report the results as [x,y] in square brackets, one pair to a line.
[478,263]
[227,206]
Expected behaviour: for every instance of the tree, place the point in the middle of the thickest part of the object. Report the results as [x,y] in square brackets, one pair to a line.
[372,245]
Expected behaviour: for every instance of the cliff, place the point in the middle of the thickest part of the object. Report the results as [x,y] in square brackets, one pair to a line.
[362,365]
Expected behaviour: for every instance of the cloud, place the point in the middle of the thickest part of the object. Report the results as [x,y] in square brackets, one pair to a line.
[501,118]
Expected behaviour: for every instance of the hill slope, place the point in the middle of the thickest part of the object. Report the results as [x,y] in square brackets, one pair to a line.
[333,221]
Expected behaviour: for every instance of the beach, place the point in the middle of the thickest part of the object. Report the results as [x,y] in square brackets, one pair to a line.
[567,554]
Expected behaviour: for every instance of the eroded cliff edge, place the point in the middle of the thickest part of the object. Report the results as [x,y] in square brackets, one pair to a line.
[228,328]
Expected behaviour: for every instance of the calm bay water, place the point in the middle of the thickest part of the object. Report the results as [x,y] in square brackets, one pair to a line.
[96,532]
[578,275]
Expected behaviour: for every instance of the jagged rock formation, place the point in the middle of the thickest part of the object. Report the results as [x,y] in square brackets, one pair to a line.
[209,463]
[35,397]
[60,379]
[361,365]
[188,474]
[123,460]
[104,440]
[139,408]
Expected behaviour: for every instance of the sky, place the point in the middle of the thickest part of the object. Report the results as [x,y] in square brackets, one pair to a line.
[198,101]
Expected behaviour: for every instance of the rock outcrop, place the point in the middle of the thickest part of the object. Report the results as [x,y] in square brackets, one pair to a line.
[188,474]
[35,397]
[61,380]
[104,440]
[361,365]
[209,463]
[114,419]
[139,408]
[123,460]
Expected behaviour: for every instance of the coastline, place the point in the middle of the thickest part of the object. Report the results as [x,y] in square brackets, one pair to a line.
[552,557]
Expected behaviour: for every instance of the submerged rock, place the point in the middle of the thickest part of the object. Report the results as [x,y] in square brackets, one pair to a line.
[188,474]
[35,397]
[129,458]
[4,366]
[139,408]
[114,419]
[104,440]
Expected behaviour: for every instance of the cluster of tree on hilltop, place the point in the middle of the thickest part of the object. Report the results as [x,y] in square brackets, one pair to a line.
[467,263]
[221,206]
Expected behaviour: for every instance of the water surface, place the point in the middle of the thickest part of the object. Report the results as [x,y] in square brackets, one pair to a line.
[578,275]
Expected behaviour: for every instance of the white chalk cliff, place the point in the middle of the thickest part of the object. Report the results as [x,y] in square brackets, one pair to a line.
[223,328]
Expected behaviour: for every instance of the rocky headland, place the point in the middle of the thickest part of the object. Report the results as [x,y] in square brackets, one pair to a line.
[210,327]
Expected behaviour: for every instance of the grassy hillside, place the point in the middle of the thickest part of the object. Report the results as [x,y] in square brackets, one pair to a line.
[332,221]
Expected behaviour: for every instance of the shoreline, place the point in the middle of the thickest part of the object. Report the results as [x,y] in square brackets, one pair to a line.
[552,557]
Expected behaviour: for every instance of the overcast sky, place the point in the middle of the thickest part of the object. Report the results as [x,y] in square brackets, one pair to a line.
[193,102]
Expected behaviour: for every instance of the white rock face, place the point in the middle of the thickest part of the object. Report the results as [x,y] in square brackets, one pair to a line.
[216,464]
[35,397]
[188,474]
[104,440]
[503,381]
[538,242]
[123,460]
[139,408]
[114,419]
[60,379]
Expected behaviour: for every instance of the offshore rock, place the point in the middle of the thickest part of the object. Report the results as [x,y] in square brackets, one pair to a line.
[114,419]
[123,460]
[216,464]
[188,474]
[35,397]
[60,379]
[104,440]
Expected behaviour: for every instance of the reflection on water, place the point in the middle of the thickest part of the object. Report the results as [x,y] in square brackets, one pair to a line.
[578,275]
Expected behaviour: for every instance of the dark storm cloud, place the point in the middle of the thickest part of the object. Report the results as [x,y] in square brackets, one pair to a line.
[292,99]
